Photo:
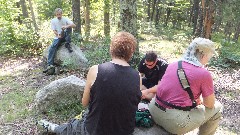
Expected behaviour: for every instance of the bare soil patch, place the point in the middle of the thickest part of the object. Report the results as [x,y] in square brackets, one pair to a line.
[28,73]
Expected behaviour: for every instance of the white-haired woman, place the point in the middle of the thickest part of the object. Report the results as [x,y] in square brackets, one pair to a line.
[179,108]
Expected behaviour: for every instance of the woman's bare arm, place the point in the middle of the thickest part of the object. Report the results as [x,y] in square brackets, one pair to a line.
[91,77]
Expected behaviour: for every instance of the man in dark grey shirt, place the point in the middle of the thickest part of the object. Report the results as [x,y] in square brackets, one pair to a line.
[152,70]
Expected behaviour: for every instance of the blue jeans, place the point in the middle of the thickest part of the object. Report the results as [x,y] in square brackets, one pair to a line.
[56,43]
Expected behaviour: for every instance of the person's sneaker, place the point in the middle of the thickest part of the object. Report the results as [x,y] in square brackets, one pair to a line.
[143,105]
[48,125]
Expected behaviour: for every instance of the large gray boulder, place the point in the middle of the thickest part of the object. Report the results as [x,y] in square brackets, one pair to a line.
[64,58]
[60,92]
[155,130]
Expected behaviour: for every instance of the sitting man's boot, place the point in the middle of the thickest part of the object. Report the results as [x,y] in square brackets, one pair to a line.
[50,70]
[45,70]
[67,45]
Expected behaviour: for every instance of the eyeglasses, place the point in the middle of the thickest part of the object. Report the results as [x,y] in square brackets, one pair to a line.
[150,64]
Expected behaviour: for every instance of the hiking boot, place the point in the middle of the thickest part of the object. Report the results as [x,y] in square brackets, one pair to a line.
[67,45]
[45,70]
[48,67]
[58,70]
[50,70]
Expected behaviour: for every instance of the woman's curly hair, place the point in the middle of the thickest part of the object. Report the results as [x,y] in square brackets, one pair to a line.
[123,45]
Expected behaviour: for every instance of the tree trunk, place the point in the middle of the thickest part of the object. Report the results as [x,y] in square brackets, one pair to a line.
[76,15]
[106,18]
[153,9]
[237,32]
[33,16]
[148,10]
[199,28]
[157,13]
[114,12]
[24,8]
[219,16]
[128,17]
[190,12]
[169,10]
[209,9]
[87,19]
[195,14]
[19,17]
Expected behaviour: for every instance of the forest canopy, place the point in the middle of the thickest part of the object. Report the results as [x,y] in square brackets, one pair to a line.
[24,24]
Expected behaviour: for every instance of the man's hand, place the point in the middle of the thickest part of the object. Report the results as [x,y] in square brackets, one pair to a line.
[198,101]
[59,36]
[64,27]
[144,93]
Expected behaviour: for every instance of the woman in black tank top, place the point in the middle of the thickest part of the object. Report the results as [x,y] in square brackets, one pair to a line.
[112,91]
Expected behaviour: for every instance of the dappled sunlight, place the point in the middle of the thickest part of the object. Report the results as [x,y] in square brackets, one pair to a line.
[168,50]
[16,66]
[220,131]
[227,90]
[225,131]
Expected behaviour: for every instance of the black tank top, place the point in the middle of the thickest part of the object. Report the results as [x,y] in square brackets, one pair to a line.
[114,98]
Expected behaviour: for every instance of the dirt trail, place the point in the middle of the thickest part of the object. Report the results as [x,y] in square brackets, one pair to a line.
[28,73]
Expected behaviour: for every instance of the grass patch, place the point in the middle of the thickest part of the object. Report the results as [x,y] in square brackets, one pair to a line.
[165,49]
[63,113]
[97,52]
[229,52]
[16,104]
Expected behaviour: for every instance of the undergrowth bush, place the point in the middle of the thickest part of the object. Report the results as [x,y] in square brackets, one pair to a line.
[20,40]
[97,52]
[229,52]
[65,112]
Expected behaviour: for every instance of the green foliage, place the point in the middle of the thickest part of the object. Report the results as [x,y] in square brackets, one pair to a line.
[18,40]
[229,52]
[231,11]
[69,63]
[46,8]
[15,104]
[9,11]
[97,52]
[135,60]
[64,112]
[76,38]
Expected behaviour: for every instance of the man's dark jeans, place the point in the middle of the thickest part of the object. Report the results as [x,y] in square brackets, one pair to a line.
[56,43]
[147,83]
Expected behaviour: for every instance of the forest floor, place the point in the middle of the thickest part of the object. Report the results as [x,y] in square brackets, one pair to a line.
[24,77]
